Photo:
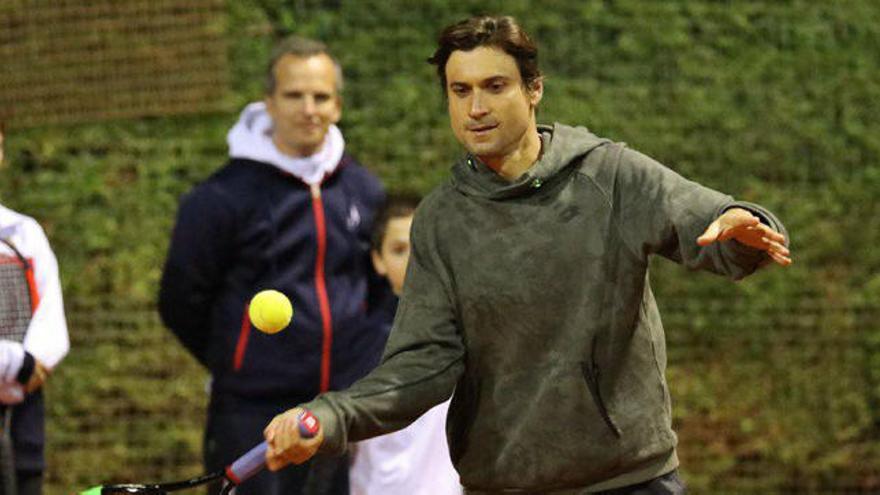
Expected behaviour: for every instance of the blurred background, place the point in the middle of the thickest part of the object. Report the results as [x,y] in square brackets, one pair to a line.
[114,108]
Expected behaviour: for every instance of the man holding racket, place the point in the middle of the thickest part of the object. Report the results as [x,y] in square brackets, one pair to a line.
[292,211]
[33,340]
[527,293]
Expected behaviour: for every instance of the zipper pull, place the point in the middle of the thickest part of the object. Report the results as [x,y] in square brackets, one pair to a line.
[316,191]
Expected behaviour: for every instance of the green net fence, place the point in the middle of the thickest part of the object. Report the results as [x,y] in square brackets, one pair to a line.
[780,411]
[71,61]
[775,380]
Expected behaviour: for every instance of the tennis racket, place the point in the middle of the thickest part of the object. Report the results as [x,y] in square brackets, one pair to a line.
[235,474]
[17,303]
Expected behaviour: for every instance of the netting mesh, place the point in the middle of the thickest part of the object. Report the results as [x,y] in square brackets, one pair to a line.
[117,413]
[141,419]
[769,397]
[68,61]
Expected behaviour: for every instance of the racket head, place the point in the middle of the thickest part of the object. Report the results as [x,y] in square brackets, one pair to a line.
[156,489]
[126,488]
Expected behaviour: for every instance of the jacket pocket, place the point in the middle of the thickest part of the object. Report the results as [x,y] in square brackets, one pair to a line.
[536,426]
[591,376]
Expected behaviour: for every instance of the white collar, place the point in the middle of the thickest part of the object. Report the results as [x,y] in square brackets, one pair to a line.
[251,138]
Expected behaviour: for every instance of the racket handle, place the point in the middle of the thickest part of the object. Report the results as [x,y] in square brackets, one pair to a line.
[254,460]
[247,465]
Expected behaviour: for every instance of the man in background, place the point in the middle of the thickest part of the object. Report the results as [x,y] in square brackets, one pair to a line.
[291,211]
[33,340]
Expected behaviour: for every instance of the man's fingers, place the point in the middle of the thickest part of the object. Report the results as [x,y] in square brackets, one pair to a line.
[777,247]
[279,440]
[779,258]
[747,229]
[770,235]
[773,235]
[779,253]
[286,444]
[271,431]
[287,431]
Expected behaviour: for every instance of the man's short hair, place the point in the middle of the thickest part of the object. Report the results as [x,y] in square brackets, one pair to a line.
[501,32]
[299,47]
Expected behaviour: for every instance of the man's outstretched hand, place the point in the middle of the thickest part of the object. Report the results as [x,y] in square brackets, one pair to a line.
[286,444]
[744,227]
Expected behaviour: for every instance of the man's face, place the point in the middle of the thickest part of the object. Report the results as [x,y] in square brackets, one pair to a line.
[489,108]
[304,104]
[391,261]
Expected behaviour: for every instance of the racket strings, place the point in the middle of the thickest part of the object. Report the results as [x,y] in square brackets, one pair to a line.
[15,300]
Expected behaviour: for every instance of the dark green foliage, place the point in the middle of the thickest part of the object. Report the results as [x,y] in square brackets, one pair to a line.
[776,379]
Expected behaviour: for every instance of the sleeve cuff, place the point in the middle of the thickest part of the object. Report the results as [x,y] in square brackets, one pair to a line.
[754,211]
[334,435]
[749,256]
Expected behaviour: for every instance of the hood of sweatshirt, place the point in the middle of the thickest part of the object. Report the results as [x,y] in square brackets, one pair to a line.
[10,222]
[562,146]
[251,138]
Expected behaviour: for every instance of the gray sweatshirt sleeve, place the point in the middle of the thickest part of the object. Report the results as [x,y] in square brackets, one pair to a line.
[423,359]
[660,212]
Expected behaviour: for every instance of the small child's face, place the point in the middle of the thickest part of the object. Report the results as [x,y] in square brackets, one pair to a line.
[391,261]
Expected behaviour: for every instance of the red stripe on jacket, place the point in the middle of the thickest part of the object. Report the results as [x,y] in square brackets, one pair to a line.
[243,335]
[321,287]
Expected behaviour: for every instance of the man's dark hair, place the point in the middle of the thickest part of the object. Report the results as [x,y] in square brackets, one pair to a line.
[395,206]
[501,32]
[299,47]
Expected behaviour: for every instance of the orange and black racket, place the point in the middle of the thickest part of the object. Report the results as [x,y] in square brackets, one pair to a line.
[18,300]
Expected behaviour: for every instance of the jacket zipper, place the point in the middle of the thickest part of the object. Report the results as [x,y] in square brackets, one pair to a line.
[243,335]
[321,286]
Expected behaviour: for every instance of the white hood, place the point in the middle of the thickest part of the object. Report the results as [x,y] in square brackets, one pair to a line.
[251,138]
[10,222]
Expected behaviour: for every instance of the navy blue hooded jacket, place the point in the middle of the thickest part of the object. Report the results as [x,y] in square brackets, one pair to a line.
[250,227]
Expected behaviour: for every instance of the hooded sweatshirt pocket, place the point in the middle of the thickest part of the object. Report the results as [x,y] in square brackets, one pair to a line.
[546,429]
[591,376]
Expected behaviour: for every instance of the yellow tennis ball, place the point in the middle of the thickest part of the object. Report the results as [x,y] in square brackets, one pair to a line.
[270,311]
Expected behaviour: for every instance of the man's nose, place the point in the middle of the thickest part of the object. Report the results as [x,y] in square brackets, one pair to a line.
[477,107]
[309,105]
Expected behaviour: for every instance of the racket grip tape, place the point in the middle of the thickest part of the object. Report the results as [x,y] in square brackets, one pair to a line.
[254,460]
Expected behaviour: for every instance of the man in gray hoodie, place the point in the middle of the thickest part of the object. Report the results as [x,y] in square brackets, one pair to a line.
[527,294]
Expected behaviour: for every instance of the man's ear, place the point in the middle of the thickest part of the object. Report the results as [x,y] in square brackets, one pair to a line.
[270,105]
[536,91]
[337,114]
[378,263]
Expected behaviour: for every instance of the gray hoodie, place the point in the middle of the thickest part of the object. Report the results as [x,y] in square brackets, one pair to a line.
[531,301]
